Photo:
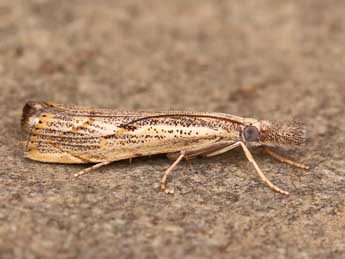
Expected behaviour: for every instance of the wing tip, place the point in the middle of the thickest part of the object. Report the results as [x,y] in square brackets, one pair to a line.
[31,113]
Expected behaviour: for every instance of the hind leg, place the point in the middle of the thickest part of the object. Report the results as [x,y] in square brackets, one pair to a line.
[190,154]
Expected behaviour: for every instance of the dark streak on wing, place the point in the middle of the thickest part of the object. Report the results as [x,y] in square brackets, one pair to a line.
[33,110]
[71,153]
[73,110]
[182,114]
[84,125]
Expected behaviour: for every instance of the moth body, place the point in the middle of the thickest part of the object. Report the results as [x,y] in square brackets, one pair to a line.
[72,134]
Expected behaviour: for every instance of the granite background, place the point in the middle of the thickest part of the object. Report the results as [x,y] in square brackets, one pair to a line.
[268,59]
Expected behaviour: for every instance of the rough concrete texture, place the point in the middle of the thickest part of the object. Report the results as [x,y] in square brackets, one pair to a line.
[269,59]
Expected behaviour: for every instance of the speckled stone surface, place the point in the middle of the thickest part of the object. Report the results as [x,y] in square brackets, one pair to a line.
[269,59]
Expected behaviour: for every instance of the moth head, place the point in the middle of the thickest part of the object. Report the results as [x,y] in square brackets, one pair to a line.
[274,133]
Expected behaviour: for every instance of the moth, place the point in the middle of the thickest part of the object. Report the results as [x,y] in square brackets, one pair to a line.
[70,134]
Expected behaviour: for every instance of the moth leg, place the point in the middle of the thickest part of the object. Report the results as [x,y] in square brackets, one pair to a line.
[251,159]
[223,150]
[189,154]
[203,151]
[92,168]
[258,170]
[284,159]
[210,149]
[168,171]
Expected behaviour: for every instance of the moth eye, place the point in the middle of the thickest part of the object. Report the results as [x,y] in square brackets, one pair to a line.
[250,133]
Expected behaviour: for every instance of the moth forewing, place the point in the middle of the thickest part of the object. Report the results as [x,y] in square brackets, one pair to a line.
[78,135]
[72,134]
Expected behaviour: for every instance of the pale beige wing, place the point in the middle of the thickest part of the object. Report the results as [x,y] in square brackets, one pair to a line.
[72,134]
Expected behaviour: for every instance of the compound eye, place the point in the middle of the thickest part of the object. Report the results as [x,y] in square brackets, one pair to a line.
[250,134]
